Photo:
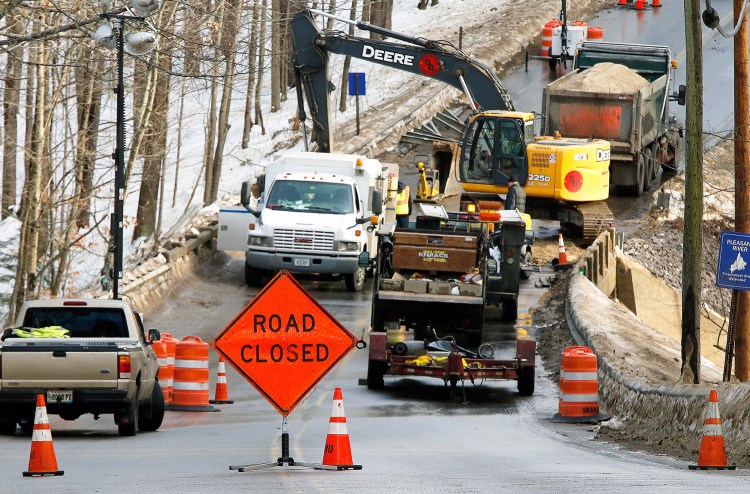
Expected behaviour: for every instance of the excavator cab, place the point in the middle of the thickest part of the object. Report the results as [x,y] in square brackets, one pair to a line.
[494,148]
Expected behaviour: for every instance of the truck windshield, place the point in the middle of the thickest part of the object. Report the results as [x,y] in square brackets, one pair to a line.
[311,197]
[81,322]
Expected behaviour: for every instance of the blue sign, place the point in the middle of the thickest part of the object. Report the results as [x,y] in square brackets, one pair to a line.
[734,261]
[357,84]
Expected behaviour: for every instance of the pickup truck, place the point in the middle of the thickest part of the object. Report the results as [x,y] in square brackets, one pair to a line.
[102,364]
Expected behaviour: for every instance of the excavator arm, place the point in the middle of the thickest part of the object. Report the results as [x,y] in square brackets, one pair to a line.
[431,59]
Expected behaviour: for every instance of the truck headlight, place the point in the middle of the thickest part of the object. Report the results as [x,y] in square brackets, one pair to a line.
[349,246]
[254,240]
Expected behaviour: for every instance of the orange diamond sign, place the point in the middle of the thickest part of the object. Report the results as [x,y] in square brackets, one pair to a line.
[284,342]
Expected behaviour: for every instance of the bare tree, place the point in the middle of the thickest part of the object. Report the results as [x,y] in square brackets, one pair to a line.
[251,68]
[347,59]
[11,97]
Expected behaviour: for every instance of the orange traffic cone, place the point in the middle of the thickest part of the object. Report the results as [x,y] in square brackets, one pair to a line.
[712,455]
[639,5]
[562,257]
[656,3]
[221,395]
[622,2]
[42,459]
[338,452]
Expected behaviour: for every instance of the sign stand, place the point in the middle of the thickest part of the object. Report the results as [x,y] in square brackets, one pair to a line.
[285,459]
[729,352]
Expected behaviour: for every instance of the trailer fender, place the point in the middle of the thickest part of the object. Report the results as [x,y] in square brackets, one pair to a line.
[526,351]
[378,346]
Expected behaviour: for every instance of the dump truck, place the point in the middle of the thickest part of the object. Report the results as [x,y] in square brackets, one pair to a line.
[619,92]
[432,285]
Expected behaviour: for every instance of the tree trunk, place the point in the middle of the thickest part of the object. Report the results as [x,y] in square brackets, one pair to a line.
[156,136]
[276,24]
[251,67]
[229,40]
[211,125]
[261,65]
[88,100]
[11,96]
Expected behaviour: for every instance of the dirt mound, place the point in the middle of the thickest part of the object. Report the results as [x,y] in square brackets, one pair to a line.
[605,77]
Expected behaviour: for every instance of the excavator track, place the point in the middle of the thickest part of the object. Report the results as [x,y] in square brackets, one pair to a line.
[596,217]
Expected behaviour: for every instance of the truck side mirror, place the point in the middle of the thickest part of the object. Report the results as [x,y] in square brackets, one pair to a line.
[154,335]
[377,202]
[681,95]
[245,193]
[364,259]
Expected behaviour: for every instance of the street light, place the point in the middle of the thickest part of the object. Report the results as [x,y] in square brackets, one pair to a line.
[139,43]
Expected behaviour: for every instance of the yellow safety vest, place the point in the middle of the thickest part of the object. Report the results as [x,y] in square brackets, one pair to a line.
[402,202]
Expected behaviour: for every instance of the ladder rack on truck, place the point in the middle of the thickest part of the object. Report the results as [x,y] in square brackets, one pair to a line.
[431,287]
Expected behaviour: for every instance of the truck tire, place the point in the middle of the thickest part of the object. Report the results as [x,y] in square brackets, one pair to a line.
[375,372]
[131,427]
[651,167]
[510,310]
[355,281]
[150,422]
[253,277]
[640,181]
[526,381]
[7,426]
[26,424]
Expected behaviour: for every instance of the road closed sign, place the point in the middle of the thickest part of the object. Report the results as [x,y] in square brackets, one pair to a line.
[284,342]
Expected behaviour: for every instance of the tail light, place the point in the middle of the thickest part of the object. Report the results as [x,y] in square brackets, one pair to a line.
[123,367]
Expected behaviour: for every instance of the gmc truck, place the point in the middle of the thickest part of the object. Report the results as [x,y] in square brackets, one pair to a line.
[102,364]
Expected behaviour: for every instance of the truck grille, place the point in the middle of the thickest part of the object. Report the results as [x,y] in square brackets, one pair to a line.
[302,239]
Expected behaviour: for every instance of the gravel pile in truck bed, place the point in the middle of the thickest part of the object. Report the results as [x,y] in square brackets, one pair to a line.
[605,77]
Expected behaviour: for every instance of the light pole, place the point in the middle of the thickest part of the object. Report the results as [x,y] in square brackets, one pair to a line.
[104,36]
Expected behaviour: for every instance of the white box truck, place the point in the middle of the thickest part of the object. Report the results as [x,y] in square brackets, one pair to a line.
[314,216]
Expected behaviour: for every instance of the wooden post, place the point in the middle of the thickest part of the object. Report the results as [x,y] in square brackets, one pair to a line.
[692,234]
[742,182]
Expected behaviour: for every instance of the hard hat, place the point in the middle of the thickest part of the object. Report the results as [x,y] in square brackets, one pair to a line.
[401,184]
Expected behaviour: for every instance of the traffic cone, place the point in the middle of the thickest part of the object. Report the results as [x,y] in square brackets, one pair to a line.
[656,3]
[712,455]
[338,452]
[42,459]
[221,395]
[639,5]
[622,2]
[562,257]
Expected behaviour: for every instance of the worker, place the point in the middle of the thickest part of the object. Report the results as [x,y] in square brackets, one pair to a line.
[516,196]
[403,205]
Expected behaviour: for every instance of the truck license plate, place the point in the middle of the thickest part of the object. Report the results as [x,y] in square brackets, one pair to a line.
[60,396]
[302,262]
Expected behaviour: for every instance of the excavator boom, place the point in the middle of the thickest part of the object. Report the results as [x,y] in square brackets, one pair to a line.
[436,60]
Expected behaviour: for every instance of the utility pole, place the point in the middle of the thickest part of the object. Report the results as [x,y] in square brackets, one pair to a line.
[742,181]
[692,234]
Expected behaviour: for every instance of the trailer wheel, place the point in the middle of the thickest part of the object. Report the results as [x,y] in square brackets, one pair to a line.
[510,310]
[526,381]
[375,372]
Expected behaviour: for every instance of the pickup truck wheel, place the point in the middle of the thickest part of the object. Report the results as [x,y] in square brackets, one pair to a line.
[526,381]
[510,310]
[375,372]
[27,425]
[151,422]
[7,426]
[130,428]
[356,280]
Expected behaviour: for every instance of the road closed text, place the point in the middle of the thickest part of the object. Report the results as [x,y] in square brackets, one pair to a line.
[284,352]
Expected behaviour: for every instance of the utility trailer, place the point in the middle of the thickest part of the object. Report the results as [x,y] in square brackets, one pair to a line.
[432,285]
[629,111]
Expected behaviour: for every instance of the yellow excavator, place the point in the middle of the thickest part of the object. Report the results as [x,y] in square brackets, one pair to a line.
[427,189]
[564,179]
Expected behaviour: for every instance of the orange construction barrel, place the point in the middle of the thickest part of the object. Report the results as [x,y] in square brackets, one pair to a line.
[160,348]
[547,35]
[595,32]
[190,386]
[168,380]
[579,387]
